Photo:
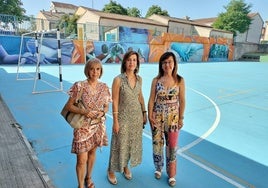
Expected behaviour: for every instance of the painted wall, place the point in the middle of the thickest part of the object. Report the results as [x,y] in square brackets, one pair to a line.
[148,43]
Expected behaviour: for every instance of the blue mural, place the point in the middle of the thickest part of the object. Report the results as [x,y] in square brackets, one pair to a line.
[186,52]
[218,52]
[10,51]
[133,35]
[78,51]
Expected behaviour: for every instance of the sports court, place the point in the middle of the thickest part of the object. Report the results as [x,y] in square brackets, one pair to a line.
[223,143]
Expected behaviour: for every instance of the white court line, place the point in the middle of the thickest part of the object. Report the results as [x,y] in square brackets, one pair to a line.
[192,144]
[209,131]
[204,136]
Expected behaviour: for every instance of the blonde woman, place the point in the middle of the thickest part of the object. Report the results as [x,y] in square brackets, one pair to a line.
[96,98]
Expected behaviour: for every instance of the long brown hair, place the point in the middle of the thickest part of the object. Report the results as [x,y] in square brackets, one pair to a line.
[163,57]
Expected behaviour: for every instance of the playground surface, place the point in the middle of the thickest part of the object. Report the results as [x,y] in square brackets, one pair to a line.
[223,142]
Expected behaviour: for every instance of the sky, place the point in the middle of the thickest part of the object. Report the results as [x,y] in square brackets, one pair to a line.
[195,9]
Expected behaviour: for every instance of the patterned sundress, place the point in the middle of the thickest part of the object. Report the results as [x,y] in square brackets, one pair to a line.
[166,113]
[126,146]
[90,136]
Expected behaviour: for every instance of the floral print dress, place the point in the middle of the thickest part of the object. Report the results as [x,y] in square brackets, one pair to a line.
[165,132]
[90,136]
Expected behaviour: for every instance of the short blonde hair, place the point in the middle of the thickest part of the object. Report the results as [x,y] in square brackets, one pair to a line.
[89,64]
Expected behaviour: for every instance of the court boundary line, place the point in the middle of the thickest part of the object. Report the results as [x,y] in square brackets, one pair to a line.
[181,151]
[200,139]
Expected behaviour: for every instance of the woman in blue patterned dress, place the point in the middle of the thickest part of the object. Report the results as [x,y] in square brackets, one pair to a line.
[165,112]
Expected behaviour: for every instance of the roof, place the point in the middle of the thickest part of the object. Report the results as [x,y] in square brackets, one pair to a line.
[182,20]
[52,15]
[123,17]
[64,5]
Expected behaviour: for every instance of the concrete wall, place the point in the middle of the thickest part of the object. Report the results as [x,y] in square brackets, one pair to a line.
[242,48]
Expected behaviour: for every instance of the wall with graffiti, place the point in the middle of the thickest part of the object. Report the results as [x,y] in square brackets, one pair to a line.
[146,43]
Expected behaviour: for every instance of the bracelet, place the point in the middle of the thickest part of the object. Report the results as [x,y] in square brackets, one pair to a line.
[144,111]
[115,112]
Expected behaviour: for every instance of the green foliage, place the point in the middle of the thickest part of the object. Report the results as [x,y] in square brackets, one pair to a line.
[115,8]
[134,12]
[235,19]
[155,9]
[12,7]
[69,23]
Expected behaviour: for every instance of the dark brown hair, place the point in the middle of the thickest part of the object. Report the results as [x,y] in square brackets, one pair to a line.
[165,56]
[126,56]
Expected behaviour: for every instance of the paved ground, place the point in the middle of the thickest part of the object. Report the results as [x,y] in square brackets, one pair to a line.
[19,165]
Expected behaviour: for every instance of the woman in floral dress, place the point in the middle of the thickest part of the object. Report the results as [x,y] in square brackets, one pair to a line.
[166,112]
[96,98]
[129,117]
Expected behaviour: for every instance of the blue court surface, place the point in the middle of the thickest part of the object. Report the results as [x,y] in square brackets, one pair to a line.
[223,143]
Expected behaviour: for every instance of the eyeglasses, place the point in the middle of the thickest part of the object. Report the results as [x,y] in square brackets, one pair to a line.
[166,62]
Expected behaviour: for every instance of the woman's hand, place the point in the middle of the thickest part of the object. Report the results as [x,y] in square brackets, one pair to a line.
[144,119]
[100,114]
[180,123]
[115,128]
[152,121]
[91,114]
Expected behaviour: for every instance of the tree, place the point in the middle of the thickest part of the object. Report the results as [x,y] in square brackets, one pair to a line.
[12,7]
[68,22]
[155,9]
[115,8]
[235,19]
[134,12]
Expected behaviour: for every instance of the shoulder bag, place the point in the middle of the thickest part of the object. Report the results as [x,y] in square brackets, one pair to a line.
[75,120]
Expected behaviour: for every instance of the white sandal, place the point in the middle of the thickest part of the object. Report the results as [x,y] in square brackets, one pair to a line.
[172,182]
[157,174]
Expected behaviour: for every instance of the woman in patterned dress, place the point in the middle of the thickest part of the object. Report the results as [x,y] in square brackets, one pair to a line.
[96,97]
[129,117]
[166,112]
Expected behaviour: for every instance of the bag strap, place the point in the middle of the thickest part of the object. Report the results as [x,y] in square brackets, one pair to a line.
[80,91]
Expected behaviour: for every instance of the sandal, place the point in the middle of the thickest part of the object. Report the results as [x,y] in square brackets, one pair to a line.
[111,178]
[172,182]
[127,174]
[89,183]
[157,174]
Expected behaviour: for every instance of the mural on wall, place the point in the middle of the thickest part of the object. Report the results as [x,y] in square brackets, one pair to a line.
[148,43]
[133,35]
[113,52]
[11,51]
[218,52]
[187,52]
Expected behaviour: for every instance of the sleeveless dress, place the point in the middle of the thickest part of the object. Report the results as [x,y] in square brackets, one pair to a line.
[166,112]
[127,144]
[90,136]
